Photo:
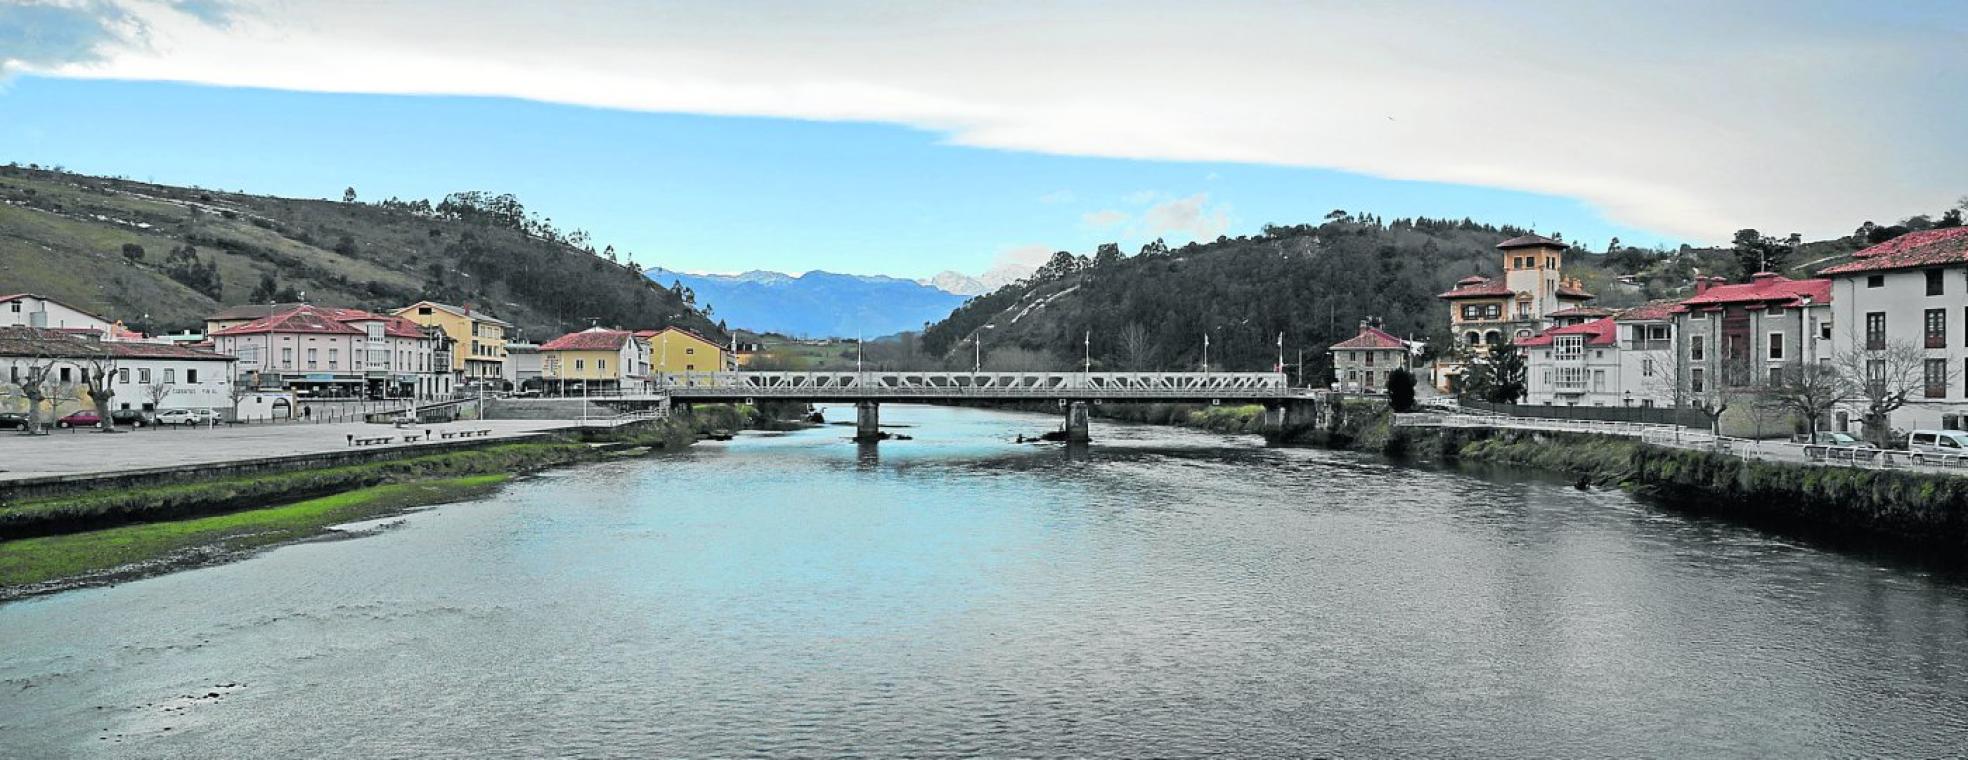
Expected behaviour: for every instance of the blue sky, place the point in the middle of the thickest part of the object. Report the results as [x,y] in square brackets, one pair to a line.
[869,136]
[704,193]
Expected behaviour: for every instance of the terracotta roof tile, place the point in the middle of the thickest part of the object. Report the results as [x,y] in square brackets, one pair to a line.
[1598,332]
[1372,337]
[306,319]
[1530,241]
[588,340]
[1765,288]
[1476,286]
[1914,249]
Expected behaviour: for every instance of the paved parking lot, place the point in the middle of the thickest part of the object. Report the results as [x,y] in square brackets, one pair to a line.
[70,452]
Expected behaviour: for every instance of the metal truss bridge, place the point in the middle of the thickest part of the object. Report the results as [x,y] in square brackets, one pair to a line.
[904,387]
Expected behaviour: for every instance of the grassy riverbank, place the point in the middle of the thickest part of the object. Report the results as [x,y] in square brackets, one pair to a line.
[117,533]
[33,565]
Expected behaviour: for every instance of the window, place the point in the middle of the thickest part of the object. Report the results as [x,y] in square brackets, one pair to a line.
[1936,282]
[191,376]
[333,356]
[143,375]
[170,376]
[1598,380]
[601,365]
[1876,281]
[1937,381]
[1776,346]
[1369,355]
[1776,376]
[313,360]
[287,357]
[580,364]
[123,376]
[1647,367]
[1697,351]
[1875,375]
[1824,331]
[1570,346]
[1695,377]
[65,376]
[1471,338]
[1936,328]
[423,311]
[1875,330]
[1493,311]
[690,350]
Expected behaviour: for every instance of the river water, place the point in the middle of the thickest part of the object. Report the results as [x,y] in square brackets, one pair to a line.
[1164,593]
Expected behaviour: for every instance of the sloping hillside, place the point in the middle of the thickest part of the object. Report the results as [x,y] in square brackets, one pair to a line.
[162,257]
[816,304]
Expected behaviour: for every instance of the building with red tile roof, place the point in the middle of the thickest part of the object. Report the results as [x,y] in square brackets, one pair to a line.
[1909,293]
[595,358]
[1362,362]
[1914,250]
[336,352]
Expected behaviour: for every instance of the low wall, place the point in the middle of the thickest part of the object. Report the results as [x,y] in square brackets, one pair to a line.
[52,486]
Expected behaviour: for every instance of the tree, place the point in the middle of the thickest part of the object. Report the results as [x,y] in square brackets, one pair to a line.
[1754,252]
[39,351]
[1811,390]
[237,392]
[1693,384]
[133,252]
[98,364]
[348,196]
[1884,378]
[1506,371]
[1107,254]
[1137,348]
[156,393]
[269,287]
[1401,389]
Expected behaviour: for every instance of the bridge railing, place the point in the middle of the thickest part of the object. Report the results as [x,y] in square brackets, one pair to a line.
[982,384]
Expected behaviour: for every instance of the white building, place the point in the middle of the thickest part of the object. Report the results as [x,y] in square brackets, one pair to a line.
[147,376]
[1620,359]
[30,310]
[1911,289]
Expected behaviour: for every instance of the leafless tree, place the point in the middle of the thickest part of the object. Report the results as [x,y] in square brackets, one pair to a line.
[1884,379]
[36,353]
[1691,384]
[238,391]
[1137,348]
[156,392]
[98,365]
[1016,359]
[1811,390]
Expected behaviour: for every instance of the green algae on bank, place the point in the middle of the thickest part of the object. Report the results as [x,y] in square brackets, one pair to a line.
[52,563]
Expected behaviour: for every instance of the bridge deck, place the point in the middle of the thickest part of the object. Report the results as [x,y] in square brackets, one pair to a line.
[937,386]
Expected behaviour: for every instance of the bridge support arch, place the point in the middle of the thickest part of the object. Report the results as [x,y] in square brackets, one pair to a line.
[1078,419]
[867,421]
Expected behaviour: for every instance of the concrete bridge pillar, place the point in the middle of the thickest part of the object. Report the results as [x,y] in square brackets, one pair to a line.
[867,421]
[1274,418]
[1077,422]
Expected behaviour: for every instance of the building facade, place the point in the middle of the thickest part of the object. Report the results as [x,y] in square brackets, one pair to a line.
[1911,290]
[1361,363]
[327,352]
[1622,358]
[480,351]
[30,310]
[679,356]
[593,360]
[144,376]
[1486,311]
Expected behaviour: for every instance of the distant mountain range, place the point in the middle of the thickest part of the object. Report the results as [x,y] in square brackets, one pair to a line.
[821,304]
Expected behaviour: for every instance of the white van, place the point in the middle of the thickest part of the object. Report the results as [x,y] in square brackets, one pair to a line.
[1937,442]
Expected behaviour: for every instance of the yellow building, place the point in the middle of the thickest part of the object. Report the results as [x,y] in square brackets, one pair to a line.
[676,354]
[481,338]
[593,359]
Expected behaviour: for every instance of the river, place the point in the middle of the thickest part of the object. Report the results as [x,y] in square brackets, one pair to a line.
[1164,593]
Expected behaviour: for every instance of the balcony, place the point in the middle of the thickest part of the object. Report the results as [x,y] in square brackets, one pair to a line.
[1649,345]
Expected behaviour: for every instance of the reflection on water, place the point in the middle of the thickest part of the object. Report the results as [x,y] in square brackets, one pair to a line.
[1161,593]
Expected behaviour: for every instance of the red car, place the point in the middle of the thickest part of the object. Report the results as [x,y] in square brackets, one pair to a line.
[83,418]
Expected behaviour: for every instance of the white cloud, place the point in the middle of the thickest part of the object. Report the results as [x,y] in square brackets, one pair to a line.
[1685,118]
[1014,263]
[1192,216]
[1103,219]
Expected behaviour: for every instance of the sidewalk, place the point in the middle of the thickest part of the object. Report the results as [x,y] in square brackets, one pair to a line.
[73,452]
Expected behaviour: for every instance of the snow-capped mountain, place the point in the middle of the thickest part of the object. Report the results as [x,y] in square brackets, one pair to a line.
[816,303]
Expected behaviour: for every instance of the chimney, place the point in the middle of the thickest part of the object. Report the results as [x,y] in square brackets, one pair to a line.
[1701,284]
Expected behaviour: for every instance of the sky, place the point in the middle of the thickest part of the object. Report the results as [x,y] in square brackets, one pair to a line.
[908,138]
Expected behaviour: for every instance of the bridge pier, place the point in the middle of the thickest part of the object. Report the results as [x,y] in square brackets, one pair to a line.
[867,421]
[1078,419]
[1274,418]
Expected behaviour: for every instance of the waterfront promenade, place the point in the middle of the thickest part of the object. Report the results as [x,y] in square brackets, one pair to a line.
[90,452]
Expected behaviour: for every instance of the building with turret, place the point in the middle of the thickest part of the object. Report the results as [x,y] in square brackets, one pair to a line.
[1485,311]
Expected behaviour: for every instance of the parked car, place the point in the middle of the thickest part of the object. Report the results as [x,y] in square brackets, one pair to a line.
[80,418]
[131,417]
[187,417]
[13,419]
[1926,442]
[1843,440]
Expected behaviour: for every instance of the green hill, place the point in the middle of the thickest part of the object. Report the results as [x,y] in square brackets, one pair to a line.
[161,258]
[1313,283]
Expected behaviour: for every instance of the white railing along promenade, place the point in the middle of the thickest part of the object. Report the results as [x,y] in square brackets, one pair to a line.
[1675,436]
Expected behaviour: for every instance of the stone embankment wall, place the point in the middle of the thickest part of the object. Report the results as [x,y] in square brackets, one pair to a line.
[1918,507]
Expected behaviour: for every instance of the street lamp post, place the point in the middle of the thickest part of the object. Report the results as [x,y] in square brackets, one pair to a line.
[1205,353]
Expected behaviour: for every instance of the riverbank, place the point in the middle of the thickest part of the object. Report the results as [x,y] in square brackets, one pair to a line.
[117,533]
[1911,507]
